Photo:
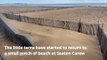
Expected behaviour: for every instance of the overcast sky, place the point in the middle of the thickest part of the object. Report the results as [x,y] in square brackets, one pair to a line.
[52,1]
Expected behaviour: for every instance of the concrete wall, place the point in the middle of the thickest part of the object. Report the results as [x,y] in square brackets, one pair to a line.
[14,34]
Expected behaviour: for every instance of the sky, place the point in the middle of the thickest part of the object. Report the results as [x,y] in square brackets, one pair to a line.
[52,1]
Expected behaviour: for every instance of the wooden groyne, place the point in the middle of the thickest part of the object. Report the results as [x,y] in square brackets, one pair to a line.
[14,34]
[102,37]
[90,29]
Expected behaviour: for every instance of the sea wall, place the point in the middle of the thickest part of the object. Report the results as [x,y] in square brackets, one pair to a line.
[14,34]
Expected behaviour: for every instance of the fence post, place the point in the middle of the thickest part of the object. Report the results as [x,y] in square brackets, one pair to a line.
[79,26]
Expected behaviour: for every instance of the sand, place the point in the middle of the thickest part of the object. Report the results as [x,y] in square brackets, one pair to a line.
[47,36]
[20,9]
[85,14]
